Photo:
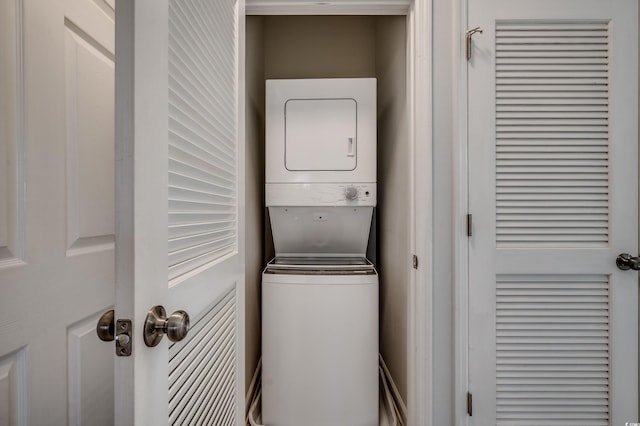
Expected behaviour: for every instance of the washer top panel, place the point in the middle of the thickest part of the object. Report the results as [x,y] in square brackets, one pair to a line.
[320,266]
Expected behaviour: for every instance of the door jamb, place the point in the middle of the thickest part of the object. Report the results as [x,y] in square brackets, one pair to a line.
[420,292]
[419,95]
[460,210]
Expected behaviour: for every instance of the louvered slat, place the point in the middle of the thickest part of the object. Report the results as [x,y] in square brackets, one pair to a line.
[552,131]
[202,367]
[202,139]
[552,353]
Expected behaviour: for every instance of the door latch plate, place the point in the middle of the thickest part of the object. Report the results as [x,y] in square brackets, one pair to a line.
[123,337]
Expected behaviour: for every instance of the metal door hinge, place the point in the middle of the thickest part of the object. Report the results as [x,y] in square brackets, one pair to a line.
[469,404]
[469,225]
[468,35]
[415,262]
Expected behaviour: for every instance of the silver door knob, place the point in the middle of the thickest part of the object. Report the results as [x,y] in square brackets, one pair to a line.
[625,262]
[157,324]
[105,327]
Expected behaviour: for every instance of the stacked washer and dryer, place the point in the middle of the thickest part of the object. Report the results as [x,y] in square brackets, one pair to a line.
[320,293]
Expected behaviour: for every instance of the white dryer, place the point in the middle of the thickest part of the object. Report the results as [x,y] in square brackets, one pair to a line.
[320,131]
[320,293]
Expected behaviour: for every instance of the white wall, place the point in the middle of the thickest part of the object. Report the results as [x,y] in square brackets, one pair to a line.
[444,47]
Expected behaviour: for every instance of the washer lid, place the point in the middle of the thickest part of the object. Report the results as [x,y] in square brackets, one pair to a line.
[320,231]
[320,266]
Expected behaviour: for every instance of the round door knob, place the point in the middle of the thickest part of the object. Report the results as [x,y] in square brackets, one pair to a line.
[105,327]
[177,326]
[625,261]
[157,325]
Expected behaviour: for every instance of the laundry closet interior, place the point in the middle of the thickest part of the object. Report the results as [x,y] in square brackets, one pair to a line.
[336,46]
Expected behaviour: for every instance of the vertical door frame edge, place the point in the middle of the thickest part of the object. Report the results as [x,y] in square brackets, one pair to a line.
[240,396]
[460,210]
[124,410]
[420,292]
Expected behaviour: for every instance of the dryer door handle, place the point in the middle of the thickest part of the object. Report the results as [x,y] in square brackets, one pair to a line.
[351,147]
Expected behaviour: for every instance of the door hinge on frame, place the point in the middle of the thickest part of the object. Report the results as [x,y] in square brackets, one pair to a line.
[469,404]
[469,224]
[415,262]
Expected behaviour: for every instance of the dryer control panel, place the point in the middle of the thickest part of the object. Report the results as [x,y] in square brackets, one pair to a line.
[357,192]
[323,194]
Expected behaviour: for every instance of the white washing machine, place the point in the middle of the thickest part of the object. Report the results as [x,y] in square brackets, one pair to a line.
[320,342]
[320,293]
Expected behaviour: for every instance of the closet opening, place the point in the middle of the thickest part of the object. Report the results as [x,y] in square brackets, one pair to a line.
[308,47]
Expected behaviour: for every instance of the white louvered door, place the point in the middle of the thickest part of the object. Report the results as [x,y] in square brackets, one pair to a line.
[180,217]
[553,190]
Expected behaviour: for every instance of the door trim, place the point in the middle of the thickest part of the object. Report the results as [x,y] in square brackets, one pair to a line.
[420,292]
[419,95]
[349,7]
[241,347]
[460,211]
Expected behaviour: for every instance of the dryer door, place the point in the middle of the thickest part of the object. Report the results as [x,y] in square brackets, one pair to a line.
[320,134]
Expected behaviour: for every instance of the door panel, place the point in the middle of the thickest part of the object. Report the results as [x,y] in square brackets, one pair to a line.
[13,388]
[12,194]
[553,193]
[180,217]
[89,128]
[203,172]
[56,221]
[209,398]
[90,375]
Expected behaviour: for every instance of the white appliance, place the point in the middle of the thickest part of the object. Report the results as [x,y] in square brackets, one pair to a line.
[320,293]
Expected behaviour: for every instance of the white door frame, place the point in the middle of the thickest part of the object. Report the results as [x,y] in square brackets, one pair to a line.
[420,294]
[419,91]
[460,210]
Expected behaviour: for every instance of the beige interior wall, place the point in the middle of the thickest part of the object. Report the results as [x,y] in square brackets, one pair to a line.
[254,174]
[336,47]
[394,257]
[319,46]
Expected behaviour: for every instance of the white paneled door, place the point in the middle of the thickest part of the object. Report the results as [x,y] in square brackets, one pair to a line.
[179,208]
[56,210]
[553,184]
